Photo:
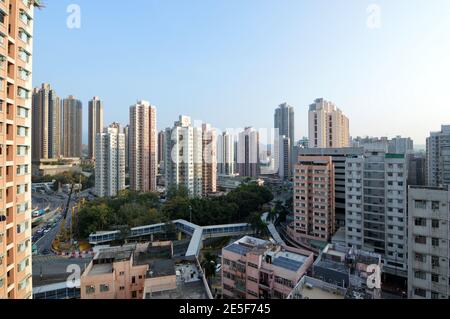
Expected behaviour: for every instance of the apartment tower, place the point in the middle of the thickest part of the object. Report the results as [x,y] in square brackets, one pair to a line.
[72,127]
[438,157]
[209,162]
[46,129]
[143,166]
[428,242]
[184,152]
[126,132]
[225,154]
[161,153]
[16,30]
[328,126]
[314,201]
[284,121]
[110,161]
[248,153]
[95,124]
[376,203]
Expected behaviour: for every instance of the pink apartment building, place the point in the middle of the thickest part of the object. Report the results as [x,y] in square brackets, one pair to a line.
[314,200]
[143,271]
[258,269]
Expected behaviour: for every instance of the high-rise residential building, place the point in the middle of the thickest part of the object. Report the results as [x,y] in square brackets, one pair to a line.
[184,152]
[438,157]
[126,132]
[110,161]
[376,204]
[253,268]
[313,215]
[209,161]
[143,139]
[283,157]
[72,127]
[46,129]
[248,153]
[95,124]
[161,152]
[16,37]
[401,145]
[328,126]
[339,157]
[416,169]
[284,121]
[428,242]
[225,154]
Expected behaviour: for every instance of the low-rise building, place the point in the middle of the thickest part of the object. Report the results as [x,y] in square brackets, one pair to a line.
[348,268]
[258,269]
[312,288]
[143,271]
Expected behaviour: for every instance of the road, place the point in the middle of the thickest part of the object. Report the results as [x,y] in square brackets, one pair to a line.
[44,244]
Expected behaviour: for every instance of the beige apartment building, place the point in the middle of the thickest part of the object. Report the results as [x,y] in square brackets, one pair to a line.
[46,129]
[143,271]
[95,123]
[143,149]
[314,200]
[328,126]
[209,163]
[16,30]
[72,127]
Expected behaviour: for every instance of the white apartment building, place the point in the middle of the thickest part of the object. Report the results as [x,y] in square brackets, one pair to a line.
[248,159]
[110,161]
[225,154]
[184,157]
[428,243]
[328,126]
[438,157]
[376,216]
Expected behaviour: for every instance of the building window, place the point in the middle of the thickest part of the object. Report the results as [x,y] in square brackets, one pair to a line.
[90,290]
[134,294]
[435,206]
[435,242]
[422,222]
[420,204]
[420,292]
[253,265]
[420,258]
[435,223]
[435,262]
[435,278]
[104,288]
[421,240]
[420,275]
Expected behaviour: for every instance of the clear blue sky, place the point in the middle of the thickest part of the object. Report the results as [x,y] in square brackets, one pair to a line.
[231,62]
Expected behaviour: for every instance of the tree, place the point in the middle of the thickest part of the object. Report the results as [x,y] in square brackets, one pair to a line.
[258,226]
[209,265]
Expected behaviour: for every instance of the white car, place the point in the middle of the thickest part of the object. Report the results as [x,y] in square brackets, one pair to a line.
[218,268]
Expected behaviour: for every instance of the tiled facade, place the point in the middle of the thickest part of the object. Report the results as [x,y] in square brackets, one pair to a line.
[314,200]
[16,30]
